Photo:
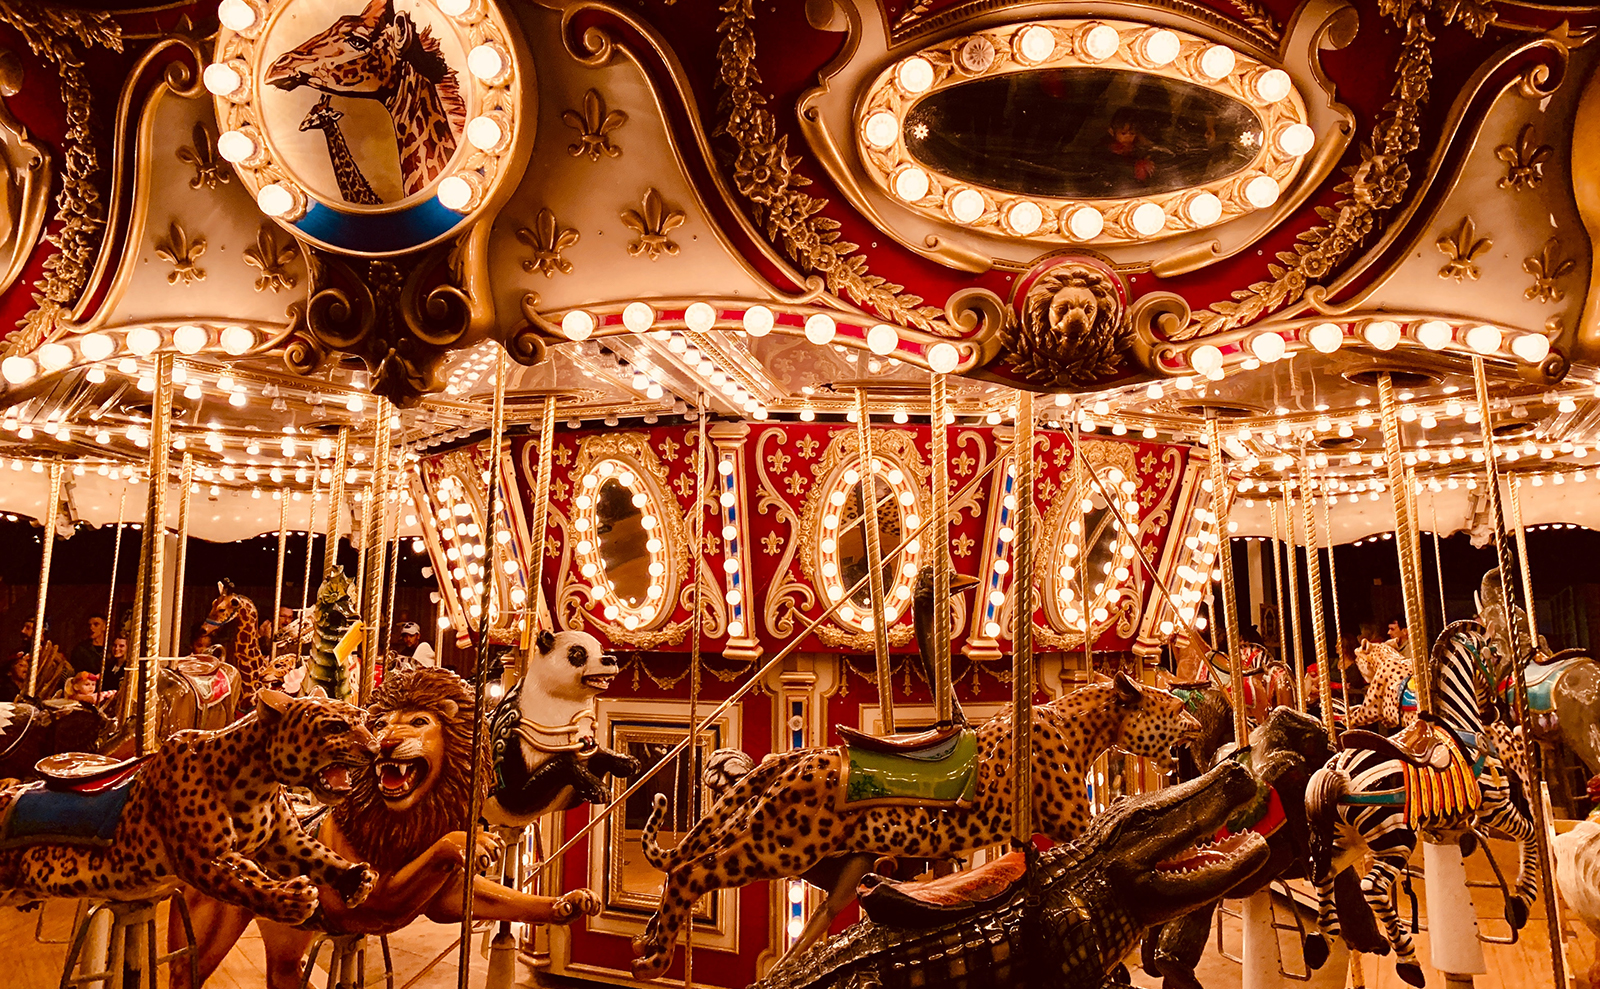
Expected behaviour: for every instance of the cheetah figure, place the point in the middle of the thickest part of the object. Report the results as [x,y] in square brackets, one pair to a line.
[1388,672]
[781,819]
[209,809]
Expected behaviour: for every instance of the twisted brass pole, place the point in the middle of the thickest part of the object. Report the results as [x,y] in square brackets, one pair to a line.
[341,458]
[1519,681]
[1230,594]
[111,595]
[311,545]
[1292,574]
[541,506]
[1022,634]
[152,551]
[702,463]
[1277,580]
[283,553]
[880,628]
[942,687]
[1318,621]
[185,484]
[1405,541]
[373,553]
[48,540]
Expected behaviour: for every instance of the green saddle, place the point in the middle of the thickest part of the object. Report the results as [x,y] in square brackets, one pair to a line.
[935,769]
[1542,680]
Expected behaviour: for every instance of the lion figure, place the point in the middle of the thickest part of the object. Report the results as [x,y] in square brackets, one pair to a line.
[404,816]
[1072,330]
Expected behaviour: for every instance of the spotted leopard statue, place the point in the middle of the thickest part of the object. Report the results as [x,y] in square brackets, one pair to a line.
[208,809]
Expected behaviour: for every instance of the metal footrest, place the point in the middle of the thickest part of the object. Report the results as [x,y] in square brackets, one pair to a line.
[347,961]
[131,922]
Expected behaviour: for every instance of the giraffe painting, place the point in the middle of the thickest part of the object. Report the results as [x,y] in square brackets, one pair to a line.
[234,612]
[380,54]
[353,185]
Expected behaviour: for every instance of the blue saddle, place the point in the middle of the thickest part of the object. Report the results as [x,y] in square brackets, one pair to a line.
[40,815]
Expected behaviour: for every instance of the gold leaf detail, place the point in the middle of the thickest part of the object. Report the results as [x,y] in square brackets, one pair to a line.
[1461,247]
[209,168]
[548,240]
[1524,161]
[593,125]
[1545,267]
[653,221]
[182,253]
[272,261]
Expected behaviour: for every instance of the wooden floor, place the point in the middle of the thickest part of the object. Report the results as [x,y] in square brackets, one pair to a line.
[425,954]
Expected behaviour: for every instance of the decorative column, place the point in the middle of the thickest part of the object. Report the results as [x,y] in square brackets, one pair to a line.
[1022,634]
[373,552]
[341,458]
[869,518]
[733,495]
[147,633]
[1405,538]
[49,541]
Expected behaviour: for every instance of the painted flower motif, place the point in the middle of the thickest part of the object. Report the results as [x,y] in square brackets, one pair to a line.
[1380,181]
[762,173]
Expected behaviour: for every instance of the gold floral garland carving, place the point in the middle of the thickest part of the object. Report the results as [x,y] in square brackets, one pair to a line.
[764,174]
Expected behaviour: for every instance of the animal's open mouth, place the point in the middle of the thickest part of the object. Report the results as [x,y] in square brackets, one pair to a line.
[334,779]
[1204,856]
[397,777]
[599,681]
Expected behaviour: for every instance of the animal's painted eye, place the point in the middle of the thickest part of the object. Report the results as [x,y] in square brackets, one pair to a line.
[359,43]
[420,721]
[379,724]
[333,727]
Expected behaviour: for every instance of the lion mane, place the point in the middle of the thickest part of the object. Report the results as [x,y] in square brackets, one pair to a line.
[1071,330]
[389,840]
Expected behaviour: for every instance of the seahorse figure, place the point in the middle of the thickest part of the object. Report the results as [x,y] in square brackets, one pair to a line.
[234,612]
[382,55]
[353,186]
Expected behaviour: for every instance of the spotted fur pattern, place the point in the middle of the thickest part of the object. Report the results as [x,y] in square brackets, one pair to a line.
[1387,670]
[782,819]
[209,810]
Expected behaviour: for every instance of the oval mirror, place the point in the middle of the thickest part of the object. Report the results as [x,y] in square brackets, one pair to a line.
[1082,133]
[843,544]
[1101,573]
[853,538]
[620,544]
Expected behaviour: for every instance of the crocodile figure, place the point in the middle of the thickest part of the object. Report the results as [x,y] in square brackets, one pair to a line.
[1065,921]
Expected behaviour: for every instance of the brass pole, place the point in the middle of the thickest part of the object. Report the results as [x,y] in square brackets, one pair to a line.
[48,539]
[341,458]
[1230,594]
[697,561]
[1405,540]
[497,431]
[939,436]
[393,542]
[311,546]
[283,553]
[869,500]
[375,550]
[185,483]
[541,507]
[1277,580]
[1338,627]
[1022,630]
[1292,574]
[1086,605]
[152,551]
[111,596]
[1438,563]
[1318,620]
[1519,681]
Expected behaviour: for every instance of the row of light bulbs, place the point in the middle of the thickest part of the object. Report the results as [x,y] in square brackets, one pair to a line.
[1381,334]
[98,346]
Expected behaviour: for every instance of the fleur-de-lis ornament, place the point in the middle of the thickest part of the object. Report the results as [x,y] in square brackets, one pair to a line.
[182,253]
[1545,267]
[593,125]
[652,223]
[1462,249]
[271,260]
[548,239]
[1524,161]
[209,168]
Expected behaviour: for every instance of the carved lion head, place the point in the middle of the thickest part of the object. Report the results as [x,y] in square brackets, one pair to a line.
[1071,330]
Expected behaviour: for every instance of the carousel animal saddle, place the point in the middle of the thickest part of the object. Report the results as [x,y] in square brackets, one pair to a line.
[935,902]
[1544,673]
[79,802]
[1421,745]
[937,768]
[208,680]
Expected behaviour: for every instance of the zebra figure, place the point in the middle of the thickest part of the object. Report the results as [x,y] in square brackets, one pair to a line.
[1441,776]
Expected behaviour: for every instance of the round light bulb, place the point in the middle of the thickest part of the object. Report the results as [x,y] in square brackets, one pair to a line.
[1025,217]
[967,205]
[881,130]
[1100,42]
[1205,359]
[820,328]
[484,133]
[1267,347]
[236,15]
[96,346]
[1203,209]
[758,321]
[911,183]
[1435,334]
[190,339]
[638,317]
[1273,85]
[221,79]
[1296,139]
[274,199]
[1484,339]
[235,146]
[1217,61]
[143,341]
[17,370]
[486,62]
[943,357]
[1160,46]
[699,317]
[1085,223]
[455,193]
[1531,347]
[1035,43]
[882,339]
[1383,334]
[1148,219]
[1325,337]
[1261,191]
[577,325]
[237,340]
[915,75]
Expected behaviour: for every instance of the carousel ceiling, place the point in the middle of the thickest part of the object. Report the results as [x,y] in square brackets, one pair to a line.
[332,212]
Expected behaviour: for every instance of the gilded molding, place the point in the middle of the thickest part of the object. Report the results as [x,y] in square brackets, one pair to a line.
[183,253]
[272,260]
[548,239]
[653,221]
[1547,267]
[1461,247]
[25,175]
[594,123]
[209,168]
[1524,161]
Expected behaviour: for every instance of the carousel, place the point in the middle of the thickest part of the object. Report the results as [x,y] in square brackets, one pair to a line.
[799,495]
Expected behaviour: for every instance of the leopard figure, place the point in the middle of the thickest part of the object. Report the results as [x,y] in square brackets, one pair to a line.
[208,809]
[783,818]
[1388,671]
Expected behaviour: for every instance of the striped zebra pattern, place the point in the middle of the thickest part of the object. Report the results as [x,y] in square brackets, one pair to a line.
[1366,799]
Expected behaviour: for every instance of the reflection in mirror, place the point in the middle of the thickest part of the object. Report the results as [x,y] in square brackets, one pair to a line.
[853,539]
[1082,133]
[622,538]
[634,883]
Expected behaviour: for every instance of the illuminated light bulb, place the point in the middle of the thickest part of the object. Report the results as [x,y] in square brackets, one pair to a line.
[638,317]
[96,346]
[1160,46]
[1273,85]
[1203,210]
[943,357]
[235,146]
[820,328]
[1484,339]
[1267,347]
[1217,62]
[455,193]
[1296,139]
[1035,43]
[577,325]
[966,205]
[1383,334]
[221,79]
[190,339]
[191,391]
[17,370]
[143,341]
[881,130]
[1025,217]
[758,321]
[1435,334]
[274,199]
[1100,42]
[882,339]
[236,15]
[1147,219]
[1261,191]
[1085,223]
[1206,359]
[54,356]
[485,133]
[1325,337]
[699,317]
[911,183]
[914,75]
[486,62]
[1531,347]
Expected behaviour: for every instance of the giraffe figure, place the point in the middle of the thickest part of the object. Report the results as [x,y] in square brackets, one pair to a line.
[353,185]
[382,55]
[232,609]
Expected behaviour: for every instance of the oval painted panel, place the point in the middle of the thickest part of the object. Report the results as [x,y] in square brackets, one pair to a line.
[1082,133]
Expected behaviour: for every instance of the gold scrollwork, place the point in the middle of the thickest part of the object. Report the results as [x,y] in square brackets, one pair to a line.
[548,239]
[653,221]
[594,124]
[183,254]
[1546,267]
[1524,161]
[209,168]
[24,180]
[1461,247]
[272,260]
[787,599]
